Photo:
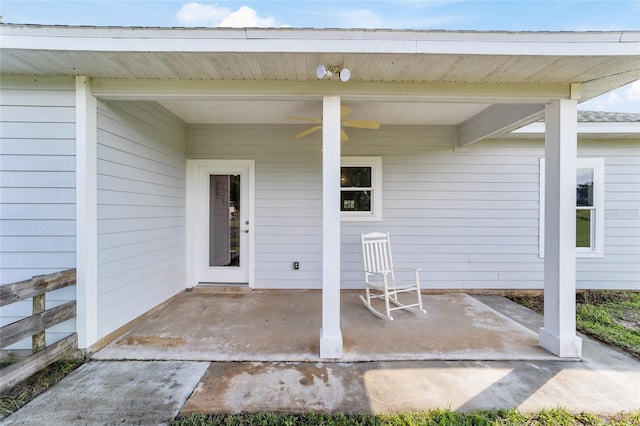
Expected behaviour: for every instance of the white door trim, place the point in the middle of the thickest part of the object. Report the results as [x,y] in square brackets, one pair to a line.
[193,167]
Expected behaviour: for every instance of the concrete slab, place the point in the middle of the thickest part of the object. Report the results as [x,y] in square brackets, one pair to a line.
[111,393]
[606,381]
[284,327]
[410,386]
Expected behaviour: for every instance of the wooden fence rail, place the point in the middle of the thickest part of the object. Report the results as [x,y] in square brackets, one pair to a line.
[35,325]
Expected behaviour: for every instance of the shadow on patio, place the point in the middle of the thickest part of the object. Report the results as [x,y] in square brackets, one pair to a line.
[285,326]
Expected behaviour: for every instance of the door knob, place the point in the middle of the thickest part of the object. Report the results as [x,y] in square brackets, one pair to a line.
[245,231]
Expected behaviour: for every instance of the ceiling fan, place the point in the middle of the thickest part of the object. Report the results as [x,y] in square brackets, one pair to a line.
[344,111]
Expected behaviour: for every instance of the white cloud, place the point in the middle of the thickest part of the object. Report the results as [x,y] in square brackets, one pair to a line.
[246,17]
[201,14]
[211,15]
[623,99]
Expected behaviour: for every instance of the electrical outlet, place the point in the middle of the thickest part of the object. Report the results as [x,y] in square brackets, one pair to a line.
[296,265]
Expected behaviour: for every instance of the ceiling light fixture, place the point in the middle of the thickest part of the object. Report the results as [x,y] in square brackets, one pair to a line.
[343,73]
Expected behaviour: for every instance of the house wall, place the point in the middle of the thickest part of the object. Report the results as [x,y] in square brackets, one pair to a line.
[469,218]
[37,188]
[620,266]
[141,210]
[288,205]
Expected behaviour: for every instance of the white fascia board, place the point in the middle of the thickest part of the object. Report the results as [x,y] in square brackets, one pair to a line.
[117,39]
[531,48]
[202,45]
[587,128]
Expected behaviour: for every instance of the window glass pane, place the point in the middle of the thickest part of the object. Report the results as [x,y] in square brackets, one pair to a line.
[224,224]
[355,201]
[359,177]
[584,187]
[583,228]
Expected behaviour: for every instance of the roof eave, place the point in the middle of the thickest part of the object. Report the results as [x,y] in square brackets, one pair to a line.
[143,39]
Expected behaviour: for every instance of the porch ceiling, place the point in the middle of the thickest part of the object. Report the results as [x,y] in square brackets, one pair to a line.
[600,62]
[286,66]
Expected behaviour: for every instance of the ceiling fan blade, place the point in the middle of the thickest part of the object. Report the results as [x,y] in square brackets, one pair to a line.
[307,132]
[344,110]
[362,124]
[309,119]
[343,136]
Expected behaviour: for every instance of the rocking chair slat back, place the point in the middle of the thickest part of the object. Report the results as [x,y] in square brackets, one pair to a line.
[377,255]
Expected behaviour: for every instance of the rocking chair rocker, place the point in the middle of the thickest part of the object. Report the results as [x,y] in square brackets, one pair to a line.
[380,277]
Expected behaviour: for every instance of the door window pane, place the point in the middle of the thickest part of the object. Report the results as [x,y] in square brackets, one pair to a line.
[224,220]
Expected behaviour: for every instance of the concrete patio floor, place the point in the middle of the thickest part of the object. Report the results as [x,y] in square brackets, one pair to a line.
[605,381]
[285,326]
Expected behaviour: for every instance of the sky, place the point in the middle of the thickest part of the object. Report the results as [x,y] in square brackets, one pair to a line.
[478,15]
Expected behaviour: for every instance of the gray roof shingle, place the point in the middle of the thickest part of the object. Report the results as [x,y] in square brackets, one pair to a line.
[607,117]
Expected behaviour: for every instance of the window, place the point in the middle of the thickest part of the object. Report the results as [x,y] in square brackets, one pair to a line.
[361,189]
[589,207]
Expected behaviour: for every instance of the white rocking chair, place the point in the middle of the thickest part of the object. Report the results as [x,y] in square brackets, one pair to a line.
[380,277]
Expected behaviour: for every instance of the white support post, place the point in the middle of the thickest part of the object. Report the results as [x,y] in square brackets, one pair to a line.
[86,214]
[330,334]
[559,332]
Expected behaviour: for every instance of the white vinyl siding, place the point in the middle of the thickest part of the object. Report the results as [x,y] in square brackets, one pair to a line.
[468,218]
[620,266]
[288,204]
[141,210]
[37,188]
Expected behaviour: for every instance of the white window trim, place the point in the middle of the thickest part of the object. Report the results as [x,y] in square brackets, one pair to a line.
[597,245]
[376,187]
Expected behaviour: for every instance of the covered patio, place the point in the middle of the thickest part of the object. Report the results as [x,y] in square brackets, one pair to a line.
[209,324]
[151,114]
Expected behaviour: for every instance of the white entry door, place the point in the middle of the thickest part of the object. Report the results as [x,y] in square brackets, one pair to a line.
[223,229]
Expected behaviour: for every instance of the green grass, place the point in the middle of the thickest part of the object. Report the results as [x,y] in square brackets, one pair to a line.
[613,317]
[427,418]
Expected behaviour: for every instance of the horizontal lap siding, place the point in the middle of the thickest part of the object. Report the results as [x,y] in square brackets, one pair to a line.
[288,205]
[469,218]
[37,188]
[141,210]
[620,266]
